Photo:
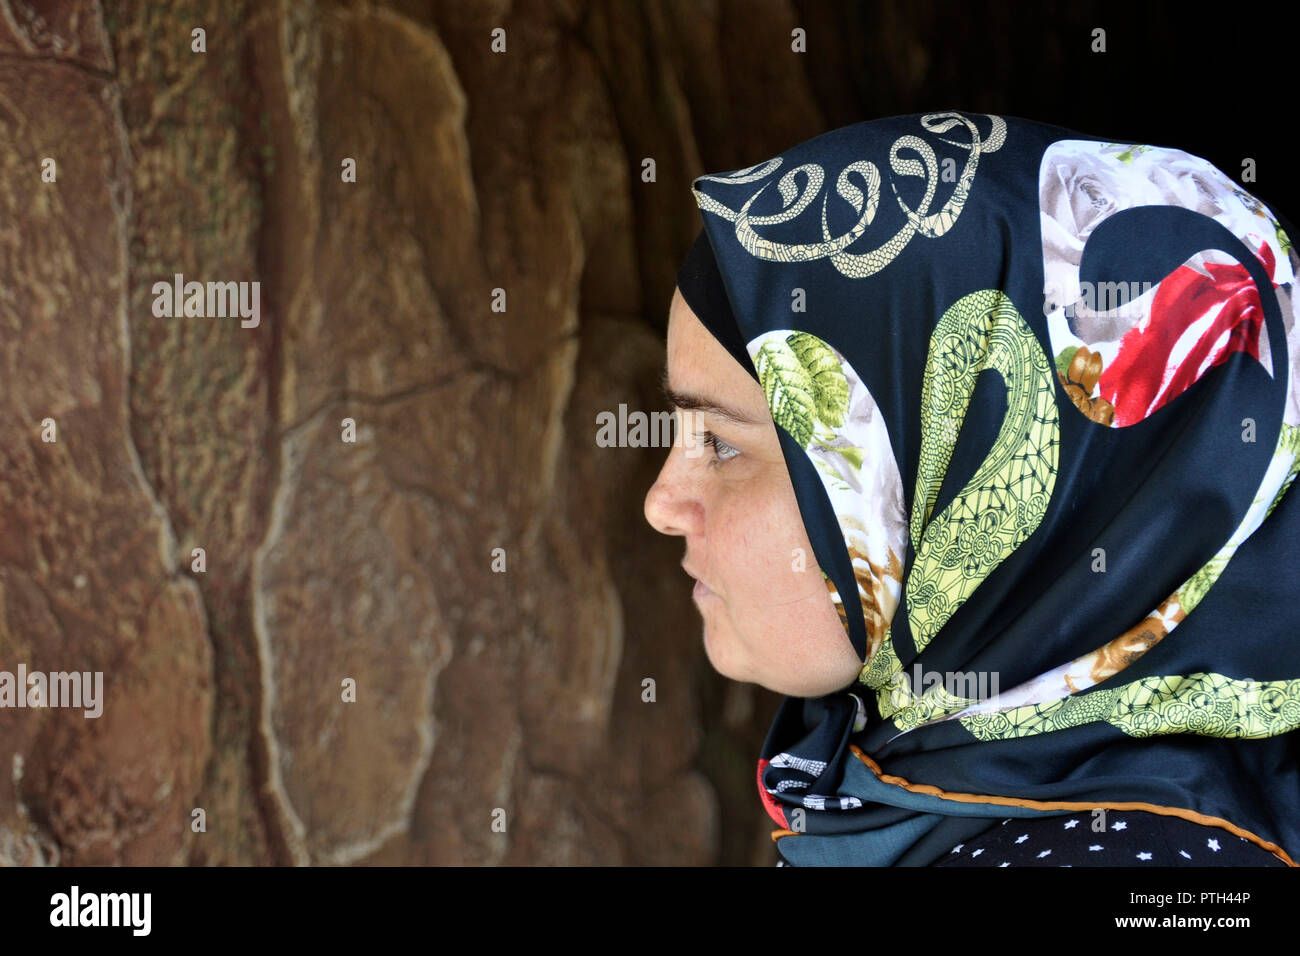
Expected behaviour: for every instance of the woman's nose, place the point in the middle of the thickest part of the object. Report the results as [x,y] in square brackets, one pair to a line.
[671,506]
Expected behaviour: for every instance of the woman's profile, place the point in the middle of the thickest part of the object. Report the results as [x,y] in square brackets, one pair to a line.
[986,429]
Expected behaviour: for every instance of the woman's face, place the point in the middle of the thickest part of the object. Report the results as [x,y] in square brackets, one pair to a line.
[768,617]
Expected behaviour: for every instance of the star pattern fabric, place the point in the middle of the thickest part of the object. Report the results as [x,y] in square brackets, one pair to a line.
[1130,838]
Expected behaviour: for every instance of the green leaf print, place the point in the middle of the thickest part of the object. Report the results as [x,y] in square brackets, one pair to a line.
[808,393]
[1065,357]
[789,389]
[1127,156]
[853,455]
[830,387]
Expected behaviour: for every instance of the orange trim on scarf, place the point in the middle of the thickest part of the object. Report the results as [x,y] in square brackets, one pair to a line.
[1191,815]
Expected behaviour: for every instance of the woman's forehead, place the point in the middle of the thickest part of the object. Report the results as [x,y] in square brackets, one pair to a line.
[697,363]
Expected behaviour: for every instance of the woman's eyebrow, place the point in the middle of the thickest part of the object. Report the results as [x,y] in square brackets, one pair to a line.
[698,403]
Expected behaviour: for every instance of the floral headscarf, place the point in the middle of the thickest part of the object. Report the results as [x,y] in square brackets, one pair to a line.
[1037,395]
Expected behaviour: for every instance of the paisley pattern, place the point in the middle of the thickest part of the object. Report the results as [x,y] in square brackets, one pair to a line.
[919,220]
[1002,504]
[1202,703]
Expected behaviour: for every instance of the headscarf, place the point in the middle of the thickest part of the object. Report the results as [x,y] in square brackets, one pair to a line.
[1036,392]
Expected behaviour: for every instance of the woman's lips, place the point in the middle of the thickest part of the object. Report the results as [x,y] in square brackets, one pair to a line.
[701,589]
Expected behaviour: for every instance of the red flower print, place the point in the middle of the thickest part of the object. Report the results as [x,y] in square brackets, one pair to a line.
[1161,359]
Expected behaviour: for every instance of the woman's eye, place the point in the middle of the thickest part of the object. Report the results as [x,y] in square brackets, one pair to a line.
[721,450]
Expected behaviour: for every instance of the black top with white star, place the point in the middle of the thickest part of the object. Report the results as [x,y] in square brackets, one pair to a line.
[1129,838]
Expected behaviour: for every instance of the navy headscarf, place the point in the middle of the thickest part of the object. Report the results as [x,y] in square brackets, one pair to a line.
[1037,395]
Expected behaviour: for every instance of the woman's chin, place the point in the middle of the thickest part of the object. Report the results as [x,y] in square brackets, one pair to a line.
[718,659]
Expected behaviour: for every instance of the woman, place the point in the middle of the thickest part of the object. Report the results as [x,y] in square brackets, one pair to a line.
[986,432]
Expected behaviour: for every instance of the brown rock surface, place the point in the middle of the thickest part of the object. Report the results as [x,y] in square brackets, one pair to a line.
[475,430]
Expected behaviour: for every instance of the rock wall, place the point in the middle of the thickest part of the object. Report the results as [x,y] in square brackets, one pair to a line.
[324,559]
